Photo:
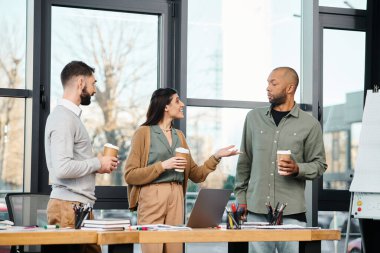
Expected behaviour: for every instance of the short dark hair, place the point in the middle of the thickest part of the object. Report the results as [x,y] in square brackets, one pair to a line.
[75,68]
[160,99]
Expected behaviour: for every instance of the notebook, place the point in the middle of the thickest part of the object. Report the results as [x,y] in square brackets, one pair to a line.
[209,208]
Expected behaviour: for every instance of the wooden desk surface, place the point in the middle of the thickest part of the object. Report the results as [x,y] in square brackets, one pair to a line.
[72,236]
[217,235]
[46,237]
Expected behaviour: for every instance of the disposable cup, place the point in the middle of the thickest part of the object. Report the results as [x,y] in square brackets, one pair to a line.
[110,150]
[283,154]
[181,152]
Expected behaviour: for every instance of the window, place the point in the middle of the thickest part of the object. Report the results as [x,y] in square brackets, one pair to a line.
[351,4]
[12,94]
[228,63]
[123,48]
[13,44]
[343,84]
[209,129]
[343,38]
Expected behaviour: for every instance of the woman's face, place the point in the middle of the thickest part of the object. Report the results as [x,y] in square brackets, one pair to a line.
[175,108]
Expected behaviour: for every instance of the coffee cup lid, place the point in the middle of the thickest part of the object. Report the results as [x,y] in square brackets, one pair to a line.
[109,145]
[284,152]
[182,150]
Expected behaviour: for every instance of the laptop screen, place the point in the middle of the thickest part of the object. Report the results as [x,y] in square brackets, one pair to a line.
[209,208]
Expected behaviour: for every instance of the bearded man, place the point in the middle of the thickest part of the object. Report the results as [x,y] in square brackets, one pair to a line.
[261,179]
[70,160]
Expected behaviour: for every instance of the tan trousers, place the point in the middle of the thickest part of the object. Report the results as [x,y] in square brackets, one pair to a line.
[161,204]
[61,212]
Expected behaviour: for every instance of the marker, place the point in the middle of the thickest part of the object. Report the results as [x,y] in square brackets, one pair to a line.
[31,227]
[51,226]
[233,207]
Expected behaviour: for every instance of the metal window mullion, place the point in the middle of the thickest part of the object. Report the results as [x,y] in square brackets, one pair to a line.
[16,93]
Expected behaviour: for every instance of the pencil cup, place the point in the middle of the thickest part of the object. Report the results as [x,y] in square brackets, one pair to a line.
[232,223]
[80,215]
[77,221]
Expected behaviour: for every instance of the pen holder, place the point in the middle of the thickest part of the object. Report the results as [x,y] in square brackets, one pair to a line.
[232,222]
[278,220]
[78,222]
[274,215]
[274,218]
[80,216]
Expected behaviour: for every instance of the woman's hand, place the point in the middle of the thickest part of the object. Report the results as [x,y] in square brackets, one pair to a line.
[174,163]
[227,151]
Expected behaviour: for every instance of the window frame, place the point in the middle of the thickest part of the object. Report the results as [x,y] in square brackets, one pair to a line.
[340,19]
[27,94]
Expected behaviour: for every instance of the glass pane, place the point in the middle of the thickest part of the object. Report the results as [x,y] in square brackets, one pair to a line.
[229,63]
[343,85]
[338,220]
[123,48]
[352,4]
[209,129]
[12,43]
[12,118]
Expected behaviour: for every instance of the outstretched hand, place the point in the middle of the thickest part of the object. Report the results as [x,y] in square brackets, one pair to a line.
[227,151]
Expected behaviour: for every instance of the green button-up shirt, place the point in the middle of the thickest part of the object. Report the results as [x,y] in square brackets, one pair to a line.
[257,180]
[160,150]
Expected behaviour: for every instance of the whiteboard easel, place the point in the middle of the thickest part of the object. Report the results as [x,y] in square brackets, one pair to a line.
[365,186]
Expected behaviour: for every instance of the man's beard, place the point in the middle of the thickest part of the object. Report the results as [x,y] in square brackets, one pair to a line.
[85,97]
[276,101]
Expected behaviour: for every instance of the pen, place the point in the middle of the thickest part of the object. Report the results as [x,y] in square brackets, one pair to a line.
[142,228]
[283,207]
[51,226]
[230,221]
[233,208]
[31,227]
[276,209]
[270,208]
[234,221]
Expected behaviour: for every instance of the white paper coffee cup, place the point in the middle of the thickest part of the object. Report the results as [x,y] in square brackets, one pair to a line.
[181,152]
[283,154]
[110,150]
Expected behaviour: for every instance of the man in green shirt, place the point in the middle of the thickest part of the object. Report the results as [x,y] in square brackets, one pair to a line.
[261,179]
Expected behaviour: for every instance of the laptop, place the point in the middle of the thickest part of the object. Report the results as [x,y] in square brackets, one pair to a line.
[209,208]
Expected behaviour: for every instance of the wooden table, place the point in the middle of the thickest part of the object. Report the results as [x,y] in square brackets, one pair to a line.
[47,237]
[122,241]
[310,239]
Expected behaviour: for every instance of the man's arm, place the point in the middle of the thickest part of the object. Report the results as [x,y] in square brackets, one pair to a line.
[243,169]
[314,154]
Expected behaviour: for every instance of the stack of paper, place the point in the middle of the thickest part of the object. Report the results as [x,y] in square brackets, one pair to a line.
[107,224]
[4,224]
[285,226]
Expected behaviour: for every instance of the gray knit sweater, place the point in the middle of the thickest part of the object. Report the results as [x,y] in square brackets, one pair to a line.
[69,156]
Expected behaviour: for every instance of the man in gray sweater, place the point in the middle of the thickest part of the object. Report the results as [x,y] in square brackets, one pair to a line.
[69,156]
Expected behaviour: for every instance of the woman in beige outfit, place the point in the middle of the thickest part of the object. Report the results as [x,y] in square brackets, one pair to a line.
[156,179]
